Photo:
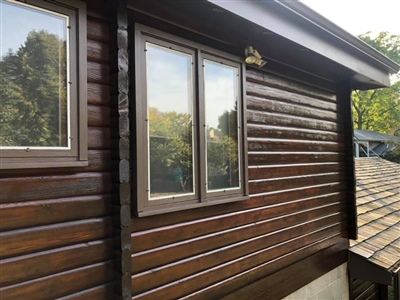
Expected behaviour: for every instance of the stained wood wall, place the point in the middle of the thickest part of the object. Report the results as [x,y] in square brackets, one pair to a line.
[365,290]
[56,224]
[294,221]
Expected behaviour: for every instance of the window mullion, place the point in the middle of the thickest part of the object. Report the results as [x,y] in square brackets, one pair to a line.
[202,126]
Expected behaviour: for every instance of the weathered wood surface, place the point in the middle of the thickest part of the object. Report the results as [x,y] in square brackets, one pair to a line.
[54,261]
[297,207]
[364,290]
[105,291]
[316,265]
[268,172]
[60,284]
[267,271]
[20,189]
[121,136]
[44,212]
[56,225]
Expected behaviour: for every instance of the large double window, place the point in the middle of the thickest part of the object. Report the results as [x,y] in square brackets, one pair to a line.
[189,124]
[42,62]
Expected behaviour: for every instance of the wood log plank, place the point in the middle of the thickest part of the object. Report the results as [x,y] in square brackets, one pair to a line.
[265,91]
[44,212]
[41,264]
[271,132]
[288,85]
[266,186]
[270,158]
[157,257]
[99,138]
[98,116]
[98,94]
[51,187]
[98,51]
[61,284]
[359,289]
[163,275]
[271,287]
[266,118]
[149,223]
[98,30]
[225,271]
[234,283]
[273,106]
[164,236]
[99,161]
[24,241]
[269,172]
[102,292]
[98,72]
[293,146]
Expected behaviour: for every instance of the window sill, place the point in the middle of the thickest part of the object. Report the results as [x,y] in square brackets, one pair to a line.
[49,162]
[179,206]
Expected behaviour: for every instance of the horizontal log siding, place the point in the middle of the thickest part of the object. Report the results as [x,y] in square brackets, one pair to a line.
[56,225]
[295,218]
[364,290]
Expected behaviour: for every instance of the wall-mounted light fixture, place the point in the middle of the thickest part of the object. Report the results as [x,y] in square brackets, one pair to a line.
[253,57]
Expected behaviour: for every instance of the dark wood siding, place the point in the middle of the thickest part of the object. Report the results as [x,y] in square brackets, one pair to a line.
[294,220]
[364,290]
[56,225]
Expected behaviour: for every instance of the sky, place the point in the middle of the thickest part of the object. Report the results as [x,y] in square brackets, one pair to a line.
[360,16]
[169,84]
[17,20]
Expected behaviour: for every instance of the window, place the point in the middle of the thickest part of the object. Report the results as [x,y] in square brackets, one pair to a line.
[42,62]
[190,127]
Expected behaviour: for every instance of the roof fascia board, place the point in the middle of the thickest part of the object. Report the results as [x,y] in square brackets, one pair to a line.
[361,268]
[341,34]
[264,15]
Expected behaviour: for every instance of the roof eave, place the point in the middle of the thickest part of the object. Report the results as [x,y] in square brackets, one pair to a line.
[361,268]
[296,22]
[341,35]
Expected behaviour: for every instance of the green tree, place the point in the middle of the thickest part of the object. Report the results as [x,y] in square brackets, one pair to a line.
[394,154]
[170,139]
[379,109]
[34,102]
[11,98]
[170,147]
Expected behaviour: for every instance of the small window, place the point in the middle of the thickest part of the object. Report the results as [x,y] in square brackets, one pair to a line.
[42,62]
[190,126]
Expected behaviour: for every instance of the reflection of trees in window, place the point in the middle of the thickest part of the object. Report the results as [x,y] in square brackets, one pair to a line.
[33,85]
[171,150]
[171,161]
[222,152]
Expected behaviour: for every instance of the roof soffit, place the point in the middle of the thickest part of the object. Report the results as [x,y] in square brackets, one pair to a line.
[370,69]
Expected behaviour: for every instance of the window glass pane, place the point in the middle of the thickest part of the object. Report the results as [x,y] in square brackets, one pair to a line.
[221,96]
[33,77]
[170,98]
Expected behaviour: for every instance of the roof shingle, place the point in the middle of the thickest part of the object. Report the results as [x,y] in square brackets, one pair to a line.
[378,210]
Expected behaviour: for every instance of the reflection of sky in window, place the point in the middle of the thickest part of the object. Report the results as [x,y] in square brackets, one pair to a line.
[220,90]
[169,82]
[17,20]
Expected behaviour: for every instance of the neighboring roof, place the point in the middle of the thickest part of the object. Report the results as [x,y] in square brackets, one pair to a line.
[381,149]
[373,136]
[296,22]
[378,210]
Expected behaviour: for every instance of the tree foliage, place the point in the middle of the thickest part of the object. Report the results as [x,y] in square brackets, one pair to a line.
[170,141]
[394,154]
[379,109]
[34,92]
[171,148]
